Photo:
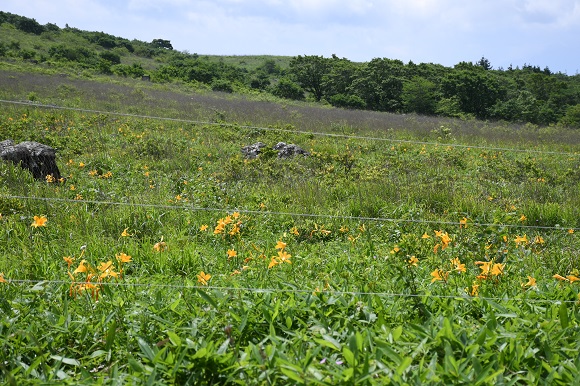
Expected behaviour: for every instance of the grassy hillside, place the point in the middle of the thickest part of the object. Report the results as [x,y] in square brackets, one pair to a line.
[468,90]
[402,250]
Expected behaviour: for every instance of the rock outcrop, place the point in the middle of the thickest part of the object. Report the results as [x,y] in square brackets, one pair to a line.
[39,159]
[284,150]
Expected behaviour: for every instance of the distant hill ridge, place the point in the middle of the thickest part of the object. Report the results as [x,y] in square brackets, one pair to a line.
[469,90]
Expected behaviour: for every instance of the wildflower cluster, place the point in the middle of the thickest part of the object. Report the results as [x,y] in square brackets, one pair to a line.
[282,257]
[87,277]
[230,225]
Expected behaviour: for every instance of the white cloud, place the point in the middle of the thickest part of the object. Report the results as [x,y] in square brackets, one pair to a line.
[540,32]
[559,13]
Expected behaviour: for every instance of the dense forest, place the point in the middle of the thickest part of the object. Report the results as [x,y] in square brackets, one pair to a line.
[470,90]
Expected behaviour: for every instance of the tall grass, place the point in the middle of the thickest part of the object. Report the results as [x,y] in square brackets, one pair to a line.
[364,262]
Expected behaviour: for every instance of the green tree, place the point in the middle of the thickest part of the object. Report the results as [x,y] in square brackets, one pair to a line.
[347,101]
[484,63]
[339,77]
[380,84]
[572,117]
[419,96]
[162,43]
[112,57]
[477,91]
[286,88]
[309,72]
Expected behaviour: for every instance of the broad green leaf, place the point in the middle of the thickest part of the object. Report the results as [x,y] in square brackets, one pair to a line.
[202,352]
[146,350]
[563,312]
[348,356]
[174,338]
[110,339]
[68,361]
[329,341]
[290,373]
[97,354]
[136,366]
[396,333]
[224,347]
[207,298]
[405,363]
[174,305]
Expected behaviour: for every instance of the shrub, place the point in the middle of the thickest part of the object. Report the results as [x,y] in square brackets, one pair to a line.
[572,117]
[286,88]
[347,101]
[222,85]
[112,57]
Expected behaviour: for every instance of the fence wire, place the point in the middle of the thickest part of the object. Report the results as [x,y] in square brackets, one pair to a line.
[289,214]
[40,283]
[291,131]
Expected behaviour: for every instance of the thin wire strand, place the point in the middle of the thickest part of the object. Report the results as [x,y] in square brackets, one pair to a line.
[290,214]
[284,290]
[332,135]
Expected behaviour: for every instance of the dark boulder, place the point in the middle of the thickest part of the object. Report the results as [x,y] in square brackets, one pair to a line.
[38,158]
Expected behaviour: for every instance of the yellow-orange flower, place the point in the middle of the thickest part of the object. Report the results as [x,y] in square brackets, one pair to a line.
[439,275]
[463,222]
[280,245]
[81,268]
[458,265]
[69,260]
[160,246]
[107,270]
[125,233]
[497,269]
[425,236]
[203,278]
[123,258]
[531,282]
[2,280]
[572,278]
[519,240]
[559,277]
[232,253]
[473,290]
[235,229]
[413,261]
[39,221]
[294,231]
[284,257]
[273,262]
[203,228]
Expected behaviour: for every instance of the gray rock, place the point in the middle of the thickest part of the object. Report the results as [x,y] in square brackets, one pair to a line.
[284,150]
[39,159]
[252,151]
[289,150]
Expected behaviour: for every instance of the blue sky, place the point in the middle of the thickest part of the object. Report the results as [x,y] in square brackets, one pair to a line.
[537,32]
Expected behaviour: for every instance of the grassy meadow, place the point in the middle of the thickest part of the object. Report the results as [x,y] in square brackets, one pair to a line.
[403,250]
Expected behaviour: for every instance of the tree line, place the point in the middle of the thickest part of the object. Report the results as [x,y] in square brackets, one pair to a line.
[467,90]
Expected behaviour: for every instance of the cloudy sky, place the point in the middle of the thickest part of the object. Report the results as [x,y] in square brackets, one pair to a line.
[537,32]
